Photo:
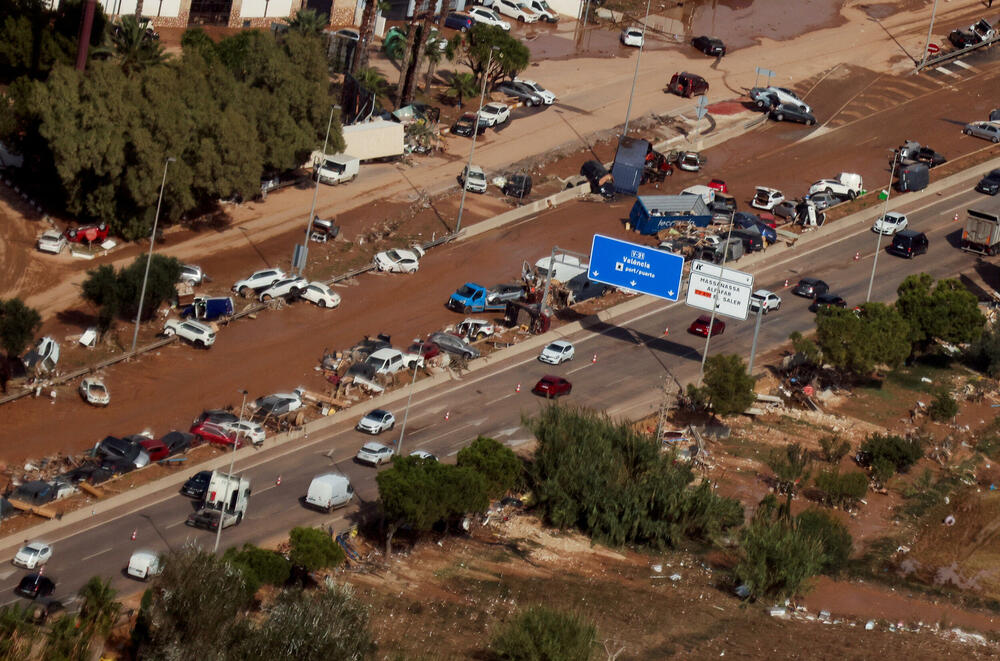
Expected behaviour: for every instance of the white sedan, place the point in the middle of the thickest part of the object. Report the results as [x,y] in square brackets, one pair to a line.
[631,37]
[423,454]
[546,95]
[247,429]
[376,422]
[494,113]
[765,301]
[517,10]
[399,260]
[557,352]
[374,453]
[890,223]
[52,241]
[321,295]
[488,17]
[94,391]
[33,555]
[293,285]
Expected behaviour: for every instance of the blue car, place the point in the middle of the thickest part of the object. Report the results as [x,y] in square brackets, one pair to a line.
[746,220]
[460,22]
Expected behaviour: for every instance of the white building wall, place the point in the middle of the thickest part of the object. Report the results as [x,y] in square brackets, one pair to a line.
[266,8]
[571,8]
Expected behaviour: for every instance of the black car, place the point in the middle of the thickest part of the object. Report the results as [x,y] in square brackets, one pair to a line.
[112,447]
[709,45]
[33,586]
[971,35]
[117,465]
[465,124]
[908,243]
[178,441]
[521,92]
[197,484]
[990,184]
[810,288]
[786,112]
[517,185]
[827,301]
[217,416]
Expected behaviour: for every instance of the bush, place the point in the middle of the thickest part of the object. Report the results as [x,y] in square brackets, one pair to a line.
[842,489]
[790,466]
[944,407]
[831,534]
[728,388]
[313,549]
[878,450]
[833,449]
[497,463]
[984,354]
[261,566]
[776,556]
[543,634]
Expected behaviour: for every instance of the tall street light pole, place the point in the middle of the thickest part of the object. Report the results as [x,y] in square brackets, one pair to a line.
[930,28]
[475,132]
[715,298]
[312,209]
[878,234]
[232,460]
[635,76]
[406,412]
[149,258]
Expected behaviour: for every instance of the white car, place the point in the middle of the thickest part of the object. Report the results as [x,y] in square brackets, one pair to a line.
[488,17]
[690,161]
[94,391]
[546,95]
[766,198]
[399,260]
[192,274]
[321,295]
[544,11]
[259,280]
[631,37]
[516,10]
[247,429]
[285,287]
[376,422]
[52,241]
[33,555]
[846,184]
[374,453]
[557,352]
[890,223]
[143,564]
[494,113]
[194,332]
[423,454]
[764,300]
[787,97]
[473,178]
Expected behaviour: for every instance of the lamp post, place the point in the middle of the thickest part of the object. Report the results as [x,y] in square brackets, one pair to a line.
[406,411]
[475,132]
[930,28]
[232,460]
[635,76]
[715,299]
[312,209]
[878,234]
[149,258]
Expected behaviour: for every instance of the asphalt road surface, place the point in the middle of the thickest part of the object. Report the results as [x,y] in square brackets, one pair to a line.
[632,358]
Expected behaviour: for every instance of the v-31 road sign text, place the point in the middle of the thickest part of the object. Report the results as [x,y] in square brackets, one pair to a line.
[727,289]
[636,267]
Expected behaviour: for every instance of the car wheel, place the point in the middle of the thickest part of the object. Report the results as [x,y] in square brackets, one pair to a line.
[391,425]
[244,291]
[967,132]
[464,29]
[466,310]
[265,298]
[72,234]
[810,122]
[480,335]
[169,332]
[199,344]
[828,191]
[851,195]
[995,140]
[520,19]
[102,227]
[328,304]
[239,518]
[779,117]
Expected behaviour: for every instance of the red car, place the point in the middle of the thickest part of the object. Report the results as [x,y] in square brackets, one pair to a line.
[155,449]
[700,326]
[93,233]
[552,386]
[719,185]
[768,219]
[212,433]
[426,350]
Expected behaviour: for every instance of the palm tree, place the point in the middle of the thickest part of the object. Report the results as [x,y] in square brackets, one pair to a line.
[135,49]
[367,31]
[99,611]
[65,640]
[307,22]
[462,86]
[17,632]
[373,82]
[434,55]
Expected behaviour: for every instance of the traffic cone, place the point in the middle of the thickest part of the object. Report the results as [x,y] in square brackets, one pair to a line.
[277,482]
[594,359]
[786,282]
[447,414]
[133,533]
[517,388]
[666,331]
[857,255]
[955,220]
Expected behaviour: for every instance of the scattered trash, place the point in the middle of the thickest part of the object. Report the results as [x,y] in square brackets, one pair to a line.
[658,568]
[870,625]
[925,379]
[949,520]
[776,611]
[675,577]
[824,615]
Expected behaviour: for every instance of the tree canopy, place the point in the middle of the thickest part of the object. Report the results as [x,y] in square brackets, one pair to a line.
[18,325]
[312,549]
[728,389]
[945,310]
[118,293]
[511,57]
[499,466]
[858,341]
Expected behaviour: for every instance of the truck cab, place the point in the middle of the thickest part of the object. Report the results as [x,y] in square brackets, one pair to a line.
[209,309]
[337,169]
[472,297]
[226,500]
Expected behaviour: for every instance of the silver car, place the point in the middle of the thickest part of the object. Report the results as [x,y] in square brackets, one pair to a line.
[376,422]
[985,130]
[374,453]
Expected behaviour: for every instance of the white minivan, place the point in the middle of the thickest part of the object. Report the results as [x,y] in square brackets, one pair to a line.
[144,564]
[329,491]
[337,169]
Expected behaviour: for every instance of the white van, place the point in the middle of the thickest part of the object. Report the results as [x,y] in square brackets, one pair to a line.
[337,169]
[144,564]
[329,491]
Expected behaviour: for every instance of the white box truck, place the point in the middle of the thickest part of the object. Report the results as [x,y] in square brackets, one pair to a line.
[226,499]
[372,140]
[329,491]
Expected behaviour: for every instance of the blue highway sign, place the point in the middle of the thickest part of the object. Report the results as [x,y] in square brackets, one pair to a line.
[636,267]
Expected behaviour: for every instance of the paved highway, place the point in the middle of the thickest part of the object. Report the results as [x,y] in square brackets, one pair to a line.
[632,356]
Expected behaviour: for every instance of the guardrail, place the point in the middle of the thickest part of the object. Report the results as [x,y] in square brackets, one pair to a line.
[954,54]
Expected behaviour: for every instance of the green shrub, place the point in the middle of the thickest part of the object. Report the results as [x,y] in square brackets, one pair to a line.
[833,449]
[313,549]
[543,634]
[842,489]
[832,536]
[776,557]
[261,566]
[497,463]
[900,452]
[943,407]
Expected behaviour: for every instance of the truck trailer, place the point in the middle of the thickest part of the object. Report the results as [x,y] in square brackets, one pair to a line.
[372,140]
[982,233]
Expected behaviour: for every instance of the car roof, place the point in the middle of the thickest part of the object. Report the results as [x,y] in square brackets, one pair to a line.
[378,412]
[374,445]
[560,343]
[763,292]
[37,545]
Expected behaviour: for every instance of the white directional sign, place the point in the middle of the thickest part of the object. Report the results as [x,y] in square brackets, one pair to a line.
[725,289]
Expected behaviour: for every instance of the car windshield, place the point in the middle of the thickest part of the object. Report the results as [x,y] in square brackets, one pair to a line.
[554,348]
[465,291]
[544,5]
[32,550]
[334,166]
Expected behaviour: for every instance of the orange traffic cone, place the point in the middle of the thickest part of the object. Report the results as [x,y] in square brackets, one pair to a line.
[133,534]
[517,388]
[594,359]
[447,414]
[666,331]
[857,255]
[956,218]
[786,282]
[277,482]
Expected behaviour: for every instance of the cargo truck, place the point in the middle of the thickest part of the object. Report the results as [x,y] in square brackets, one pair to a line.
[377,139]
[982,233]
[226,500]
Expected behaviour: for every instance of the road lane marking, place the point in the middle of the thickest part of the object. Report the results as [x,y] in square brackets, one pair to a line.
[946,72]
[964,65]
[175,524]
[499,399]
[7,574]
[581,367]
[94,555]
